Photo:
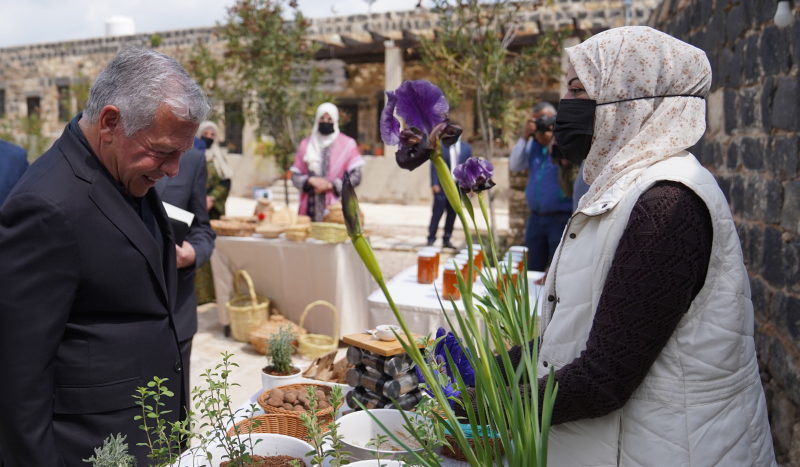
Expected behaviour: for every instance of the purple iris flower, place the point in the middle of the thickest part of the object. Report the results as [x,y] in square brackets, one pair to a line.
[423,108]
[449,391]
[474,175]
[459,356]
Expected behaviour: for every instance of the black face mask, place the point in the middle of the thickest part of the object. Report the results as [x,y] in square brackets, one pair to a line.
[325,128]
[574,128]
[575,125]
[208,141]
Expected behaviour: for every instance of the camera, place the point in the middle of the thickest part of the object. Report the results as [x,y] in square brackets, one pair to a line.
[545,124]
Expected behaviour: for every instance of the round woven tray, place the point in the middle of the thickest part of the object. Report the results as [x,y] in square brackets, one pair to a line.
[457,454]
[262,332]
[231,228]
[246,311]
[312,346]
[324,416]
[270,230]
[329,232]
[273,423]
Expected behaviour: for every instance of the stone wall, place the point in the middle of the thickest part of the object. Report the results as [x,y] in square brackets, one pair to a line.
[751,145]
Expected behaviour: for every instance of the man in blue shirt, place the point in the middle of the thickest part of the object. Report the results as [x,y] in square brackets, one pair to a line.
[550,208]
[13,163]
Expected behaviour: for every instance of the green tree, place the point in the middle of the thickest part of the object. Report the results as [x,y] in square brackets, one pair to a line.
[470,56]
[268,61]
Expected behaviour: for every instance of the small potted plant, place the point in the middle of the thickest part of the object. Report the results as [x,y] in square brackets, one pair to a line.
[280,370]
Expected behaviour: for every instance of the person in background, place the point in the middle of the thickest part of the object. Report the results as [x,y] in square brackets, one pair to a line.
[579,188]
[13,163]
[218,186]
[187,191]
[89,270]
[321,161]
[456,154]
[550,207]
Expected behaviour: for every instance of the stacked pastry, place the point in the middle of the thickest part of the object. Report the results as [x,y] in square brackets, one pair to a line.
[378,379]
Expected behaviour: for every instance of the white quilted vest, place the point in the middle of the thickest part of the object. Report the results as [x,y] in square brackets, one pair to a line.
[701,404]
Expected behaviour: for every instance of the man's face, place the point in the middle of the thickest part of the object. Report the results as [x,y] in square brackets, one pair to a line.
[543,138]
[147,156]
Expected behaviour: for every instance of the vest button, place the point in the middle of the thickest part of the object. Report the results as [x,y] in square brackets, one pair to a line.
[551,298]
[545,364]
[572,235]
[177,367]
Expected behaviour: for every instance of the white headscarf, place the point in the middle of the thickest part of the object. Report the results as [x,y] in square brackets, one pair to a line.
[214,154]
[630,62]
[318,141]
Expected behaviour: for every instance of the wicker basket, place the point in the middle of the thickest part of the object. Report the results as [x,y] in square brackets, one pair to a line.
[284,216]
[336,216]
[303,220]
[270,230]
[324,416]
[329,232]
[296,233]
[278,424]
[232,228]
[250,219]
[313,345]
[246,311]
[457,454]
[262,332]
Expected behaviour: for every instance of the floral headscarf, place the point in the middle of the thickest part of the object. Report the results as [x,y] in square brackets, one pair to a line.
[634,62]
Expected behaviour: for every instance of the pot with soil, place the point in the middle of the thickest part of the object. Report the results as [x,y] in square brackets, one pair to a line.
[271,451]
[280,370]
[270,377]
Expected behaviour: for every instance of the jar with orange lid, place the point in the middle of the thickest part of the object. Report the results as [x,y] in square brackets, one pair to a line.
[426,266]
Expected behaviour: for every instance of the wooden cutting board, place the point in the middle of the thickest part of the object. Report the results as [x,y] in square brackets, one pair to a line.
[377,346]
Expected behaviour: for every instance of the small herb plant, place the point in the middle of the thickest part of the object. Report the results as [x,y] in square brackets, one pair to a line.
[376,444]
[114,453]
[317,437]
[164,439]
[280,349]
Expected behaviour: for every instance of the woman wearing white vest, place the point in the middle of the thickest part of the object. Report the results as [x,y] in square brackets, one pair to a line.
[647,318]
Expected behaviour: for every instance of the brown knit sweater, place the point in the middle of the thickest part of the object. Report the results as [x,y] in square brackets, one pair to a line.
[659,267]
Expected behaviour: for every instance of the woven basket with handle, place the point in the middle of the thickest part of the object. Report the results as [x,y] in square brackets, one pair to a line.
[262,332]
[289,425]
[313,345]
[324,416]
[246,310]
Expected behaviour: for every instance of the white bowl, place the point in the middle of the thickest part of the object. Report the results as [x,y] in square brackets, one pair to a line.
[384,332]
[270,445]
[358,428]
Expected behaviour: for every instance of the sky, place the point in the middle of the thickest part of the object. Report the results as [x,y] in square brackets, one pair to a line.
[35,21]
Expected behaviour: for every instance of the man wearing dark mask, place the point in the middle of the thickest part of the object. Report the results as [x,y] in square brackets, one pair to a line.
[550,206]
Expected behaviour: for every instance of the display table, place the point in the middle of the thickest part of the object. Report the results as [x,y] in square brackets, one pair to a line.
[419,304]
[294,274]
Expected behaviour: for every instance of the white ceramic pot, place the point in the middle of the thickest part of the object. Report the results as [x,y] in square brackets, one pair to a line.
[269,381]
[358,428]
[270,445]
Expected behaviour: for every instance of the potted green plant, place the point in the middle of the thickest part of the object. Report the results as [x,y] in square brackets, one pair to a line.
[510,417]
[279,370]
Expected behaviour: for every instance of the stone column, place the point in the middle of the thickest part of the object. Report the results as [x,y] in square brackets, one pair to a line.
[393,76]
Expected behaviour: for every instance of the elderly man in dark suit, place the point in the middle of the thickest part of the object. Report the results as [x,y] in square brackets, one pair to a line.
[188,191]
[89,271]
[13,163]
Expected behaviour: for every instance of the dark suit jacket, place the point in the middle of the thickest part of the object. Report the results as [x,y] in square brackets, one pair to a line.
[85,311]
[188,191]
[13,163]
[466,153]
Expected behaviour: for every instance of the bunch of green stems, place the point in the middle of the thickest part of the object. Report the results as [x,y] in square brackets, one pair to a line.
[507,411]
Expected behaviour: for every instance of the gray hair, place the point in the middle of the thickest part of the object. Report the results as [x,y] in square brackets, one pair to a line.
[542,106]
[138,82]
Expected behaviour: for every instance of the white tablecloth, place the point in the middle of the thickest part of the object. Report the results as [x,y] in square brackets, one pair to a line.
[294,274]
[420,306]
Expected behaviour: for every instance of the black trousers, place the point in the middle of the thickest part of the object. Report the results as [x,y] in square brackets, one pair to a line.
[186,355]
[440,205]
